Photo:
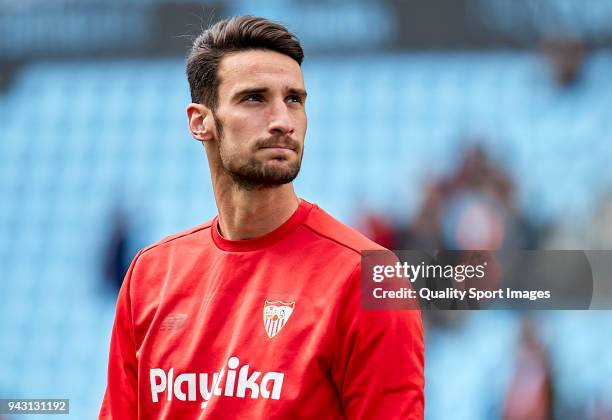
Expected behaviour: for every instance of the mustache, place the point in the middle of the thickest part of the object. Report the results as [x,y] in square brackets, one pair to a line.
[279,141]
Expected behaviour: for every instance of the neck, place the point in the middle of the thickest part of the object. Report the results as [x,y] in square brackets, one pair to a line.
[248,214]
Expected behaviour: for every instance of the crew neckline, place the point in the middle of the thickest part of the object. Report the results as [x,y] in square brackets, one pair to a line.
[241,245]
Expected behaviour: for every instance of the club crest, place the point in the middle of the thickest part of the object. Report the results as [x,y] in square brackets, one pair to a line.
[275,316]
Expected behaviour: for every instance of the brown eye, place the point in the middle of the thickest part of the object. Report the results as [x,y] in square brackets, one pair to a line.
[252,98]
[295,99]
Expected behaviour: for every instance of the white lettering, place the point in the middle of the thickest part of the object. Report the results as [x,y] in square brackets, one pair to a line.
[161,381]
[275,377]
[231,376]
[245,381]
[156,388]
[378,277]
[170,376]
[190,378]
[204,392]
[218,382]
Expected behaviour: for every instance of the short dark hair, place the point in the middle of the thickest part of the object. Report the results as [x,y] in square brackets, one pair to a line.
[240,33]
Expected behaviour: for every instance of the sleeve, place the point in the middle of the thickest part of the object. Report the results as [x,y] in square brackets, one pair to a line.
[378,359]
[120,399]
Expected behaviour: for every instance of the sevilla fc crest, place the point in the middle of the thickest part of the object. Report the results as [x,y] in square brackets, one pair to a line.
[275,316]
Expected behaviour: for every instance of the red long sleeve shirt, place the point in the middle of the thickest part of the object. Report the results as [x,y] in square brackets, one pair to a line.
[272,327]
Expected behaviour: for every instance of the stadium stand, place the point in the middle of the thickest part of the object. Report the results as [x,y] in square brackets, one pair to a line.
[121,144]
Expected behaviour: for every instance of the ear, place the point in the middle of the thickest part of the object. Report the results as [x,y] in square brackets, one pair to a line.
[201,123]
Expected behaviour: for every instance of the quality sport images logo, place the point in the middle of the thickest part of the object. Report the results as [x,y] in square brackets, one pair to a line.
[275,316]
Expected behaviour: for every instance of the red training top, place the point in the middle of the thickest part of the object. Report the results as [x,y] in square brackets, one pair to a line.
[271,327]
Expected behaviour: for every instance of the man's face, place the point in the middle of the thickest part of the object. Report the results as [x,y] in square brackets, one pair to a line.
[260,118]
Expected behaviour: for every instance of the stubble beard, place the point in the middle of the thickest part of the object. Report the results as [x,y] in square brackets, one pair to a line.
[255,174]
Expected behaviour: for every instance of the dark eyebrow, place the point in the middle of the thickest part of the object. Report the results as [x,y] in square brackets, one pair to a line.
[249,91]
[299,92]
[259,90]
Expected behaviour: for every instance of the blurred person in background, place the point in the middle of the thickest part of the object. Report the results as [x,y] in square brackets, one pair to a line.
[530,395]
[257,313]
[471,208]
[566,59]
[117,258]
[379,228]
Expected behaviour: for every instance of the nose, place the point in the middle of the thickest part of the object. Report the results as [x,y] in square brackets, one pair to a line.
[281,121]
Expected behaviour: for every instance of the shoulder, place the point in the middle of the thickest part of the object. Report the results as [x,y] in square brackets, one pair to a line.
[180,239]
[336,234]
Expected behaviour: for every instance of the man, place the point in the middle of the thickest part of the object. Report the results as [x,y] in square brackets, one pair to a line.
[256,314]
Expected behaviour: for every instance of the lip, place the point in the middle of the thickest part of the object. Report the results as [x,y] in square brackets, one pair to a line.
[278,147]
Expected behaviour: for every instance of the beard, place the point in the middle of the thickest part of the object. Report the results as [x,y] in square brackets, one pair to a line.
[261,175]
[258,174]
